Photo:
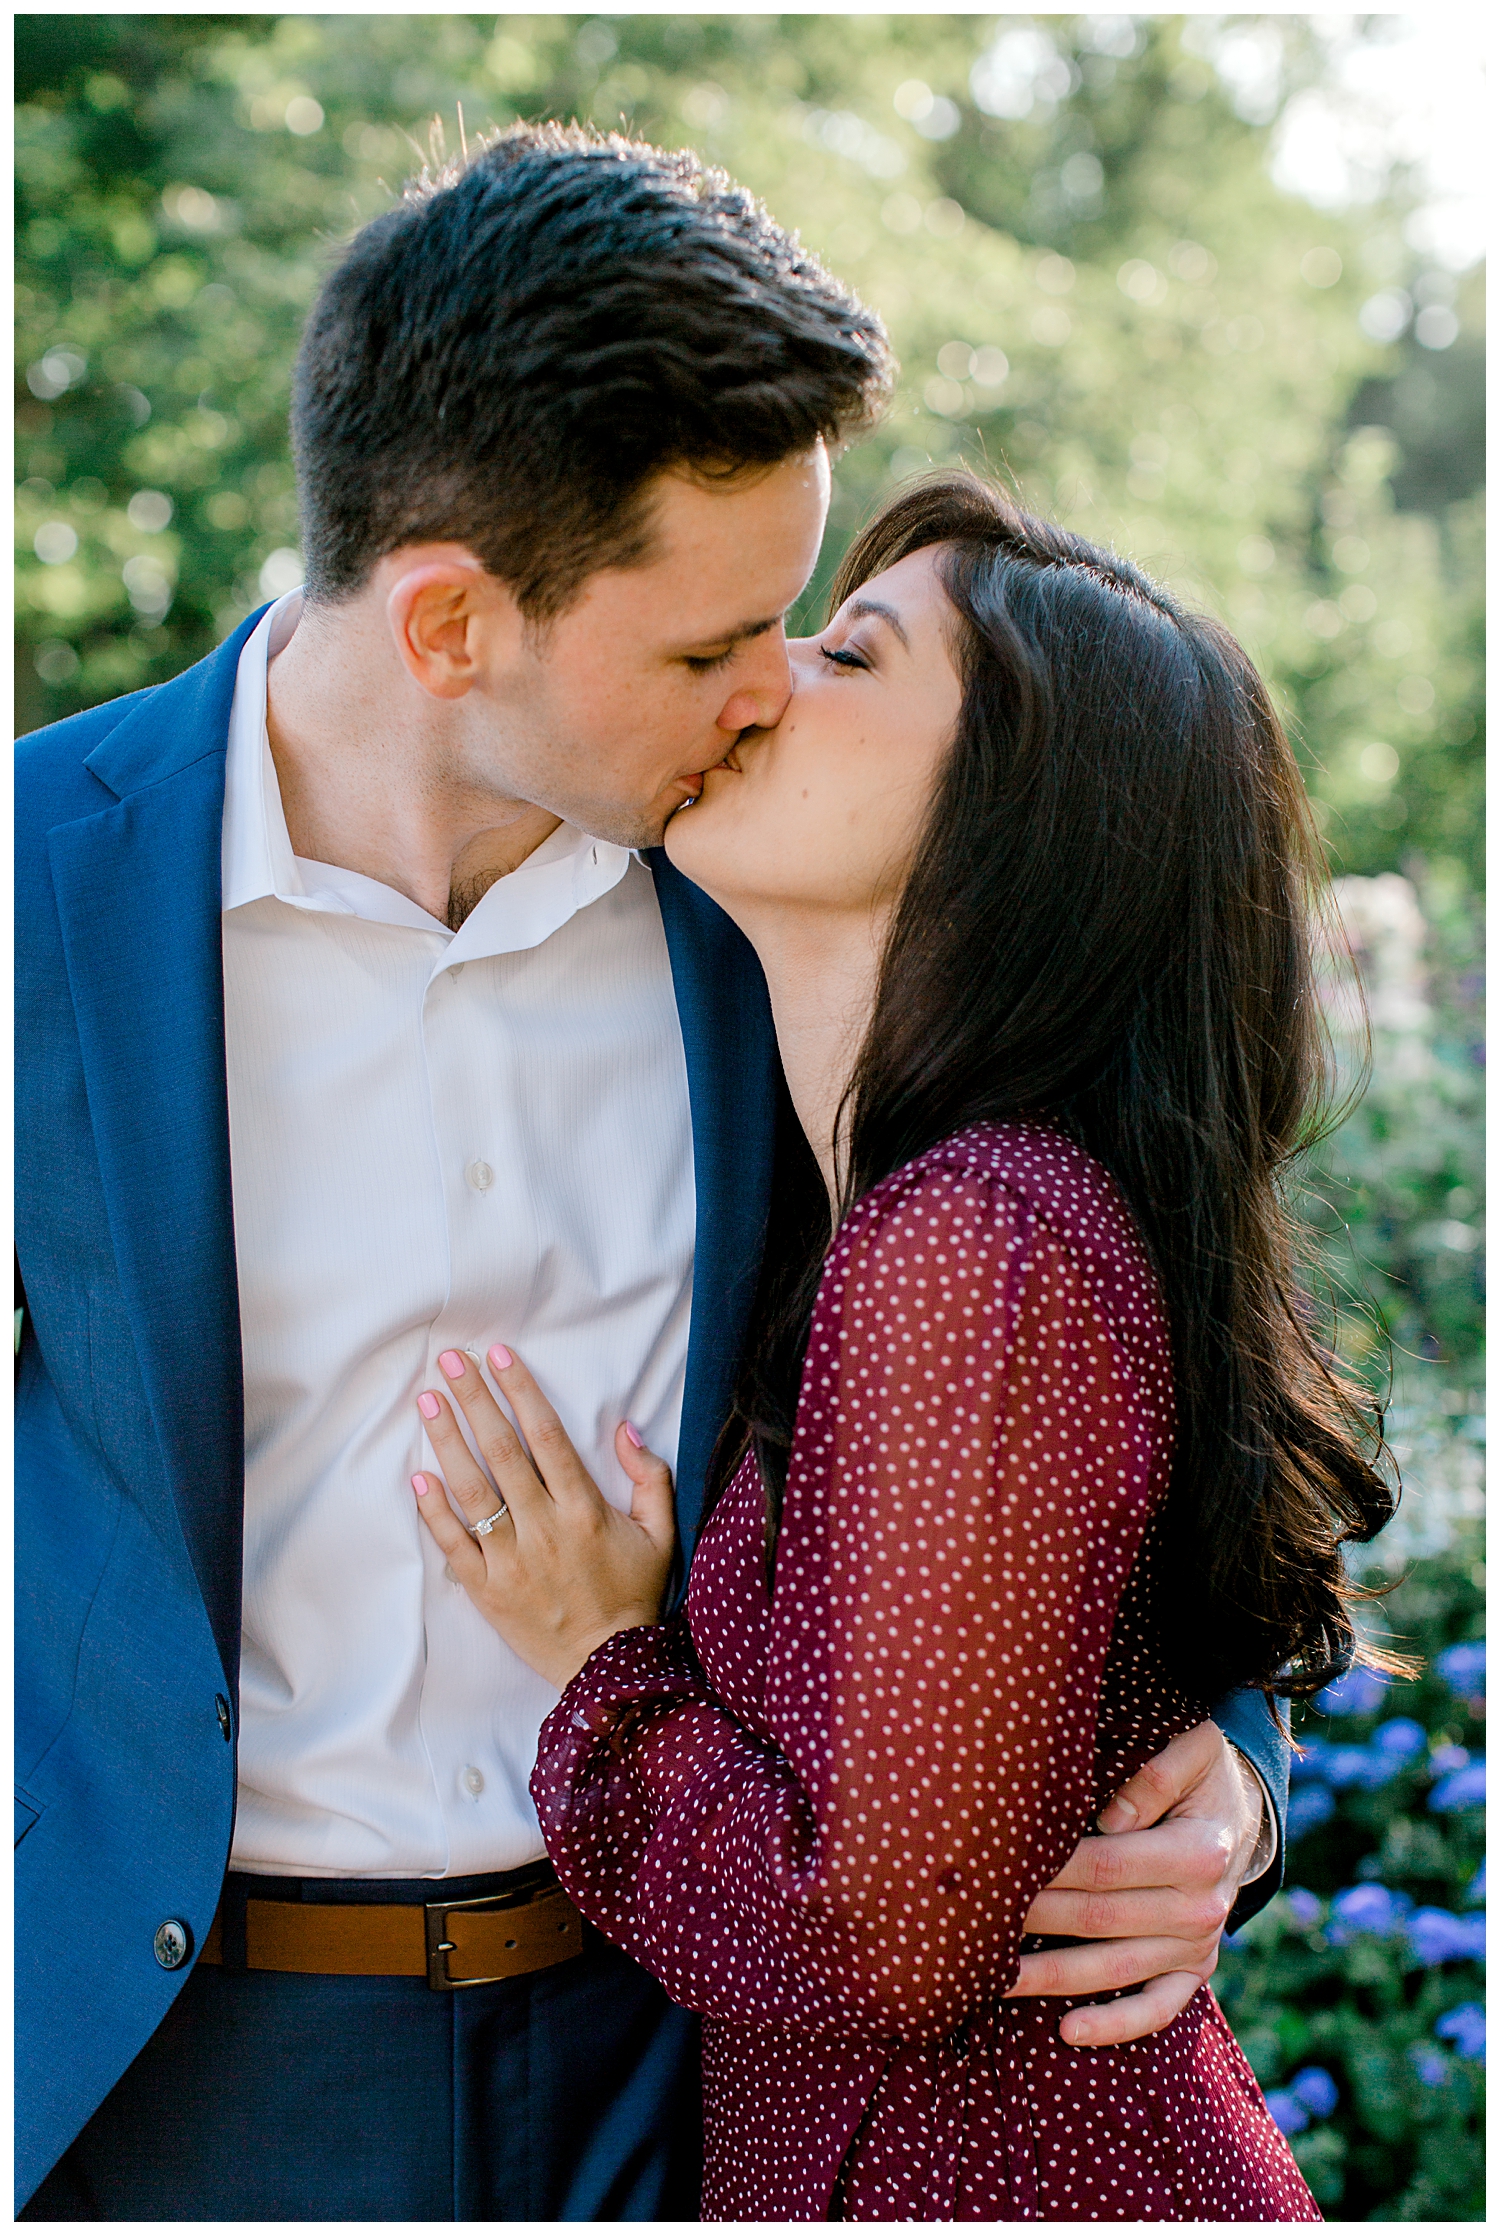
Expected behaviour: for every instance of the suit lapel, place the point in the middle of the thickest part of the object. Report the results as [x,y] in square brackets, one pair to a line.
[138,894]
[732,1069]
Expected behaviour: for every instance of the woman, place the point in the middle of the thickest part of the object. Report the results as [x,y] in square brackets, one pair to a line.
[1046,1427]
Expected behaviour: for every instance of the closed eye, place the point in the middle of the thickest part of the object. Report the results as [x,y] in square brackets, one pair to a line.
[842,657]
[708,663]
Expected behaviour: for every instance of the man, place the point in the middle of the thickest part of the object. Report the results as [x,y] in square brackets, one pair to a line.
[355,1030]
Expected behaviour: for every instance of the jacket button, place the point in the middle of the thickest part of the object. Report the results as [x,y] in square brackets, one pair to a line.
[221,1707]
[172,1944]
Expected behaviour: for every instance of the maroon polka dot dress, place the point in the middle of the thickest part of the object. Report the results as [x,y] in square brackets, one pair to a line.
[820,1816]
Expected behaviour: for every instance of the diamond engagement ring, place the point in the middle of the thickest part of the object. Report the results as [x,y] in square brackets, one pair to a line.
[482,1529]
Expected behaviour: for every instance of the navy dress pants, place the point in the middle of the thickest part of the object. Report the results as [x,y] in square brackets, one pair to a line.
[570,2095]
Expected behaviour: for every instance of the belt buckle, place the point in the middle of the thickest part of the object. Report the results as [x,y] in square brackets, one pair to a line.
[439,1947]
[438,1944]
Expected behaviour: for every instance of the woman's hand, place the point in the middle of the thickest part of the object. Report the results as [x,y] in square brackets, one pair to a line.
[561,1570]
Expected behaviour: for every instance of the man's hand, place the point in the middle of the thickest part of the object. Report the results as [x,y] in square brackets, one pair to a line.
[1152,1895]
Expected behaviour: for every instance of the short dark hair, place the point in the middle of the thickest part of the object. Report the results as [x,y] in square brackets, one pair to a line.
[509,357]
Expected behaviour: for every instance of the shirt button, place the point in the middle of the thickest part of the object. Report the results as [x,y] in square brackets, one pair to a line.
[456,973]
[479,1176]
[473,1781]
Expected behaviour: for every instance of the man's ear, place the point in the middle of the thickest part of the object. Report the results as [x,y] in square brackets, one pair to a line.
[448,616]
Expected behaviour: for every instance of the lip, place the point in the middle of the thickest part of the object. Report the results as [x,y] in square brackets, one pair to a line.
[691,782]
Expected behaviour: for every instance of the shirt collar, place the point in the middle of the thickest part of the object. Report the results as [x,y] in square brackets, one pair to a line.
[519,911]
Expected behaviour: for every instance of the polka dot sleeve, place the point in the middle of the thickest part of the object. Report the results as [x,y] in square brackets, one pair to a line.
[845,1836]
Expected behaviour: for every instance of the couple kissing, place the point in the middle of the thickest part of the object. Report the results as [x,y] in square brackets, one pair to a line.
[668,1463]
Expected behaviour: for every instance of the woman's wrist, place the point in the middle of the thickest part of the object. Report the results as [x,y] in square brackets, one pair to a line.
[573,1657]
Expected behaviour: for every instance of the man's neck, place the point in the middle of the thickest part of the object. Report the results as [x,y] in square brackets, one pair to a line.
[375,779]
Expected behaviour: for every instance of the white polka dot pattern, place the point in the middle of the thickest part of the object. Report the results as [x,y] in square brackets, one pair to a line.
[820,1819]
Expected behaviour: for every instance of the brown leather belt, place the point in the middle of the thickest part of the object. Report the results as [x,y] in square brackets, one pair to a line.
[449,1944]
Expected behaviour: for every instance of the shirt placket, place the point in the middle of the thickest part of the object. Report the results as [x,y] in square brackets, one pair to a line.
[472,1074]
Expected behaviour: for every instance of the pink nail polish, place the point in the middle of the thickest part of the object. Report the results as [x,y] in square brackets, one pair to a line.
[419,1486]
[635,1435]
[500,1358]
[427,1406]
[451,1363]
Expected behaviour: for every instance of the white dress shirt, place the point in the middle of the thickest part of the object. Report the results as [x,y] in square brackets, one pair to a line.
[437,1140]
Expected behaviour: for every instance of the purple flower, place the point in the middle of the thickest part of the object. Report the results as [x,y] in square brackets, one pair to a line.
[1462,1668]
[1358,1766]
[1286,2111]
[1368,1909]
[1305,1907]
[1308,1807]
[1345,1766]
[1438,1937]
[1463,1789]
[1402,1738]
[1431,2065]
[1315,2090]
[1358,1692]
[1464,2028]
[1474,1892]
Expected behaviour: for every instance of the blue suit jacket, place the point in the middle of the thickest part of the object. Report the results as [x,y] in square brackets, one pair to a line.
[129,1479]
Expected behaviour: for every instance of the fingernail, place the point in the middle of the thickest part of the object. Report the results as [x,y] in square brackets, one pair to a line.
[452,1364]
[428,1407]
[500,1358]
[634,1435]
[419,1486]
[1122,1815]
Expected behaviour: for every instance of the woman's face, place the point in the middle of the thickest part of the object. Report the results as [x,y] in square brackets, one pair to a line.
[823,813]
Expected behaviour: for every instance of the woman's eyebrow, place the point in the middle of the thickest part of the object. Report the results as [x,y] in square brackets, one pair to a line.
[857,608]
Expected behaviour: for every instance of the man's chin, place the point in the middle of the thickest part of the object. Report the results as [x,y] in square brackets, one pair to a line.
[622,826]
[632,823]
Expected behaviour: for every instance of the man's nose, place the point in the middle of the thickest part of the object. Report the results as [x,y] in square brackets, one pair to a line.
[762,688]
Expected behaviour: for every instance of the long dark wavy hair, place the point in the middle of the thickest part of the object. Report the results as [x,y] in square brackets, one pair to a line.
[1106,929]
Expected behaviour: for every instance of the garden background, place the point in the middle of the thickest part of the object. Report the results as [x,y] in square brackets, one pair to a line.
[1192,288]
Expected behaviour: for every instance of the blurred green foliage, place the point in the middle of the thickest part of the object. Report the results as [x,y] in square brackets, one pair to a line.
[1092,285]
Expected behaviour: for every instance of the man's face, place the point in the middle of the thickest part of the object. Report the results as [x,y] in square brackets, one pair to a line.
[610,714]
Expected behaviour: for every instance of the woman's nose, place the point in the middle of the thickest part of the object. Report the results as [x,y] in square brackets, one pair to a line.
[761,691]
